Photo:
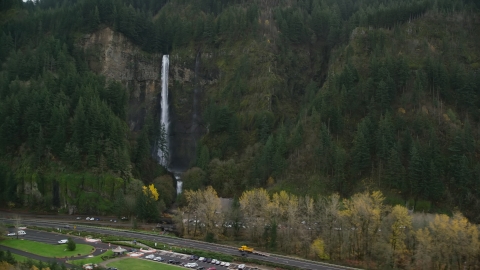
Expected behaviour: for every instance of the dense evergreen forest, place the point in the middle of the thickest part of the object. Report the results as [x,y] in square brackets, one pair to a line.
[310,96]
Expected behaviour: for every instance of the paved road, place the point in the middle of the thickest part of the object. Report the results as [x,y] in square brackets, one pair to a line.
[290,261]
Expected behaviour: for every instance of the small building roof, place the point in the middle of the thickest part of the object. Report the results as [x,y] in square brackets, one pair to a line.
[119,249]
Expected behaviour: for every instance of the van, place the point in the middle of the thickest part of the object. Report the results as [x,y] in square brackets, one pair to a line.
[21,232]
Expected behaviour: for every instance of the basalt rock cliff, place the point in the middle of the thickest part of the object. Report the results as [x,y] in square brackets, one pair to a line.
[111,54]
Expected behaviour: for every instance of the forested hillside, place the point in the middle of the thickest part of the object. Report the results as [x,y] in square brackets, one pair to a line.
[310,96]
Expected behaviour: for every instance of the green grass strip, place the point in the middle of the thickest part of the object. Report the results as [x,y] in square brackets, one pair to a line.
[46,250]
[97,259]
[20,258]
[131,263]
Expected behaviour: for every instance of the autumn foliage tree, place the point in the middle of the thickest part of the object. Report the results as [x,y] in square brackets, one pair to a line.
[205,208]
[147,205]
[363,228]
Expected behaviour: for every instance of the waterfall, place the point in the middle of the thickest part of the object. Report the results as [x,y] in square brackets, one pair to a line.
[164,144]
[164,140]
[179,184]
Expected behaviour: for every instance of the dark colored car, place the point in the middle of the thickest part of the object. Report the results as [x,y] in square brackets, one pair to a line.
[195,257]
[201,268]
[171,261]
[209,260]
[191,257]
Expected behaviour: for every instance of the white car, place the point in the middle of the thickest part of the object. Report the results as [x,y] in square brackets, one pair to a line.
[222,264]
[63,241]
[11,234]
[151,257]
[21,232]
[191,265]
[88,218]
[241,266]
[92,218]
[158,259]
[227,264]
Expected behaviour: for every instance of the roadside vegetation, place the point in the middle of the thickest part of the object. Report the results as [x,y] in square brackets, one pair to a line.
[363,230]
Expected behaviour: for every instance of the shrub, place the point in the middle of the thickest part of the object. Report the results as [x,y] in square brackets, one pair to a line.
[71,244]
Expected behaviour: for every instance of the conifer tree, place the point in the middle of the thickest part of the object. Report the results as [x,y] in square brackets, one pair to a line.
[360,150]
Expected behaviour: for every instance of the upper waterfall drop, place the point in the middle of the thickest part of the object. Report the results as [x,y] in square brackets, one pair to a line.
[164,141]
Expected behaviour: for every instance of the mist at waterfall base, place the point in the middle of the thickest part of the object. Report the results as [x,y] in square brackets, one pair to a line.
[163,152]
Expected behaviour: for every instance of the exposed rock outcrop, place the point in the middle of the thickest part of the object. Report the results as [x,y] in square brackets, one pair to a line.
[114,56]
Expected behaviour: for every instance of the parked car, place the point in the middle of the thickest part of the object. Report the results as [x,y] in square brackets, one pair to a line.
[150,257]
[241,266]
[21,232]
[217,262]
[11,234]
[212,268]
[88,218]
[78,218]
[171,261]
[112,268]
[227,264]
[213,261]
[201,259]
[201,268]
[63,241]
[158,259]
[209,260]
[222,264]
[92,218]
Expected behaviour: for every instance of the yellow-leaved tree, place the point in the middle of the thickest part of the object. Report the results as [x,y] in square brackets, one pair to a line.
[401,223]
[447,243]
[6,266]
[318,248]
[206,209]
[151,192]
[254,206]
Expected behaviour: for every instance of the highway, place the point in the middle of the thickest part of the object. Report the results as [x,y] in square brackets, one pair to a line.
[180,242]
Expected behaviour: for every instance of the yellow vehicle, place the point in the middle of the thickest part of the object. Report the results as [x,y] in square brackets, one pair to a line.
[245,249]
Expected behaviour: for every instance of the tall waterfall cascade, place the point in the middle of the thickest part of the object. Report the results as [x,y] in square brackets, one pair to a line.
[164,141]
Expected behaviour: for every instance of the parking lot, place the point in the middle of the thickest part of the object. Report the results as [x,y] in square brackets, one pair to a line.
[183,259]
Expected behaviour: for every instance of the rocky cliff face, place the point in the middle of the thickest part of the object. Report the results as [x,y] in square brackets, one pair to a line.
[114,56]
